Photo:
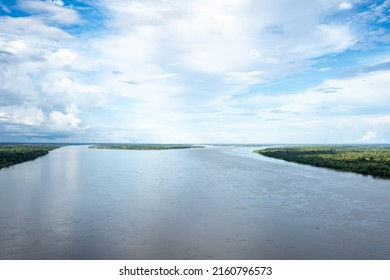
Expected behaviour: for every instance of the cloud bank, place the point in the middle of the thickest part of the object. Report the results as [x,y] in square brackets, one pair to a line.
[195,71]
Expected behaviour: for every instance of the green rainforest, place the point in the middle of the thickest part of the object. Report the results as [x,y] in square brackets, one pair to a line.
[17,153]
[367,160]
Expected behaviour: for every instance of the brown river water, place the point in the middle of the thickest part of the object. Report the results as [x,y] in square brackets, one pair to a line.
[212,203]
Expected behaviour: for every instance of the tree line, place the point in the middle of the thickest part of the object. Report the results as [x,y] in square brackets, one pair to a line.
[144,146]
[17,153]
[367,160]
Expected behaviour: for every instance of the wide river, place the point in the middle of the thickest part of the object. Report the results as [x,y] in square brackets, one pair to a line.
[212,203]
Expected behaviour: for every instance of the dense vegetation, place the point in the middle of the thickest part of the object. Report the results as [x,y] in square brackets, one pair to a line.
[17,153]
[241,145]
[143,146]
[367,160]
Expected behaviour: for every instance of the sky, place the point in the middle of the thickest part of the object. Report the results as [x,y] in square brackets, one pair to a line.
[196,71]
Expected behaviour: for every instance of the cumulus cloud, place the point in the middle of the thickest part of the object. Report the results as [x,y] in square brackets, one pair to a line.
[63,122]
[345,6]
[26,115]
[36,81]
[16,47]
[181,70]
[62,57]
[369,136]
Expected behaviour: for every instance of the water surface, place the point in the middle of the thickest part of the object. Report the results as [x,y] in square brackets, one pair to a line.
[213,203]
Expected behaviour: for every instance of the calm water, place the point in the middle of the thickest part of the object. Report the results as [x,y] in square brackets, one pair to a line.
[214,203]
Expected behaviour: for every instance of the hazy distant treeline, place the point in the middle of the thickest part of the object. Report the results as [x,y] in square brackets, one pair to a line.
[144,146]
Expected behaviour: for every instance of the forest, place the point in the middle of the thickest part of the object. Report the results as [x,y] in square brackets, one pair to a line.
[143,146]
[366,160]
[17,153]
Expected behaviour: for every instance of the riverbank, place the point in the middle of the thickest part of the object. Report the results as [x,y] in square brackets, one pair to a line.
[11,154]
[366,160]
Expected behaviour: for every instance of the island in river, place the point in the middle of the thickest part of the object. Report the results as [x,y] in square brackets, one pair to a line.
[11,154]
[366,160]
[143,146]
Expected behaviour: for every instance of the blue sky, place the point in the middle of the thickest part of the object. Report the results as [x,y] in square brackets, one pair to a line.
[198,71]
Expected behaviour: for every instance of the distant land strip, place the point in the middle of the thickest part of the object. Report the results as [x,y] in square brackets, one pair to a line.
[366,160]
[144,146]
[11,154]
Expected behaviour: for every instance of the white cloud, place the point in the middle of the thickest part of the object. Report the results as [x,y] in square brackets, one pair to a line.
[62,57]
[266,57]
[52,11]
[335,109]
[58,88]
[324,39]
[245,78]
[359,91]
[369,136]
[150,79]
[189,70]
[345,6]
[57,2]
[16,47]
[64,122]
[26,115]
[324,69]
[31,27]
[34,116]
[226,137]
[217,38]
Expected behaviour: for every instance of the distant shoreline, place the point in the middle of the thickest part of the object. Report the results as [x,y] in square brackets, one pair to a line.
[365,160]
[144,146]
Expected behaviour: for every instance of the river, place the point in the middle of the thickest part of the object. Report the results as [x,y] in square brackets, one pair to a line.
[212,203]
